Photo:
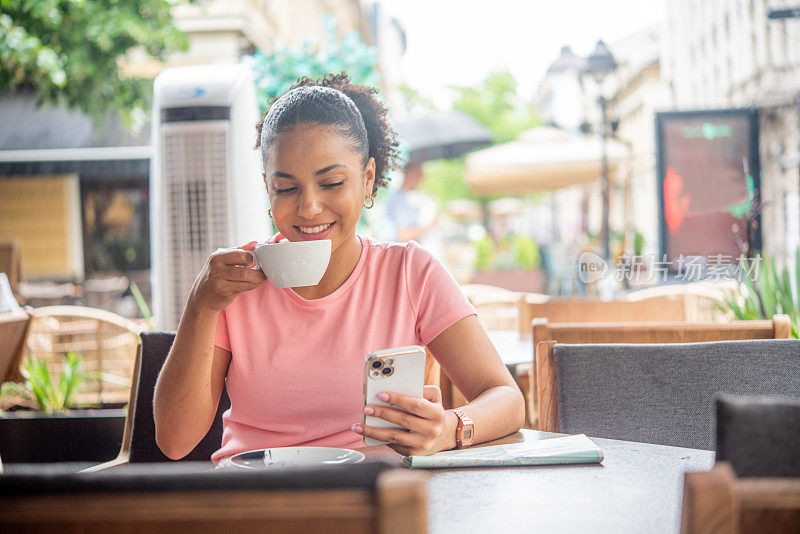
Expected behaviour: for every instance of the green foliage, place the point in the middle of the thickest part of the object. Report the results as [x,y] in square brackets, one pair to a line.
[526,252]
[279,69]
[764,291]
[144,309]
[70,50]
[415,101]
[444,180]
[495,104]
[638,243]
[42,391]
[485,253]
[514,251]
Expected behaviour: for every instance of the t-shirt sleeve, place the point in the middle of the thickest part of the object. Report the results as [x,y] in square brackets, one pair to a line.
[221,337]
[437,300]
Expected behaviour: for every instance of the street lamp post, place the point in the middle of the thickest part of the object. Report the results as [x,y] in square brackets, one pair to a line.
[599,64]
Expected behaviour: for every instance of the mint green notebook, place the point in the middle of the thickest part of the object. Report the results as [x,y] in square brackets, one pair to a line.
[566,450]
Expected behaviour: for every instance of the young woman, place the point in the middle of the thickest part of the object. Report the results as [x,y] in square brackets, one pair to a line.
[292,359]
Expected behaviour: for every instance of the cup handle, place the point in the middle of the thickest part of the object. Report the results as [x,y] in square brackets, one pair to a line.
[255,265]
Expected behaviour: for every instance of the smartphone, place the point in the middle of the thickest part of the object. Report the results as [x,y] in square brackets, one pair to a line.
[400,370]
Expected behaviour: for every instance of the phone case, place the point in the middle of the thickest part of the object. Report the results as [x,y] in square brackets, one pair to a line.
[400,370]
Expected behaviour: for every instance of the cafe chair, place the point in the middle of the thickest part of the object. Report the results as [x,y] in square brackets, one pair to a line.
[702,301]
[106,342]
[779,327]
[139,437]
[656,393]
[718,502]
[13,330]
[192,498]
[759,436]
[587,310]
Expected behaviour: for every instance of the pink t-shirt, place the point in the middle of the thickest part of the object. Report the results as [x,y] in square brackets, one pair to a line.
[296,371]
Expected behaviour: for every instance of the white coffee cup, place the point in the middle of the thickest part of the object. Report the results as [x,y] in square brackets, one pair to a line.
[293,263]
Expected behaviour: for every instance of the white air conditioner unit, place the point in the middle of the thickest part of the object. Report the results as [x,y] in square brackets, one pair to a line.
[206,186]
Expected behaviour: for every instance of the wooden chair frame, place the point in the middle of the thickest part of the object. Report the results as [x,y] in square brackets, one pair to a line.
[14,327]
[545,384]
[661,308]
[398,504]
[718,502]
[779,327]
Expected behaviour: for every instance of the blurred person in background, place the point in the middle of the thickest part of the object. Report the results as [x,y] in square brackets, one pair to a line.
[414,213]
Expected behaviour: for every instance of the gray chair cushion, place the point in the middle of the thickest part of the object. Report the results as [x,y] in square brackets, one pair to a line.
[664,393]
[759,436]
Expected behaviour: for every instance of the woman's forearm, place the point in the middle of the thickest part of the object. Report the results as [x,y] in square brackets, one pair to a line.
[496,412]
[188,386]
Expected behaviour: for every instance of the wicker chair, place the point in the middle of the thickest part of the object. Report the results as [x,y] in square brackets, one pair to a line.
[107,343]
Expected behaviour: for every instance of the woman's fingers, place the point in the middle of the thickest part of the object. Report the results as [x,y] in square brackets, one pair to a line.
[433,394]
[231,256]
[394,436]
[241,274]
[406,420]
[422,407]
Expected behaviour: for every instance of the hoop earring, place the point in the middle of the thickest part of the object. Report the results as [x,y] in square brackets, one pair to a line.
[269,212]
[371,202]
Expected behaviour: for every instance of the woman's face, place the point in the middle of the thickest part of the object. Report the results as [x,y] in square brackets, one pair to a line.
[317,185]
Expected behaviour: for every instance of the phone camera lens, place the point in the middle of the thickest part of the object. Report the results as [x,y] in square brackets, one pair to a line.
[376,364]
[387,371]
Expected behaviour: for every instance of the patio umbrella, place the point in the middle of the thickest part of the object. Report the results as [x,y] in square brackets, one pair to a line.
[441,135]
[541,159]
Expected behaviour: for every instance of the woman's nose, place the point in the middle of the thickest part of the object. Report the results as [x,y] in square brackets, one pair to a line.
[309,206]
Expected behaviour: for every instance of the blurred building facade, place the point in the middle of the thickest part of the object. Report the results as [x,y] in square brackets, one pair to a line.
[68,188]
[704,55]
[637,94]
[728,53]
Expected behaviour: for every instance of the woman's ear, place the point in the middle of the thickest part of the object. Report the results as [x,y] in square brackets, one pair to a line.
[369,176]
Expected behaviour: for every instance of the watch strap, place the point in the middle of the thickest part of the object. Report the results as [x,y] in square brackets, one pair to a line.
[465,429]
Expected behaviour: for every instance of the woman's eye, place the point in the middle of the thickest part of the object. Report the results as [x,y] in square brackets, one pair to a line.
[332,185]
[285,191]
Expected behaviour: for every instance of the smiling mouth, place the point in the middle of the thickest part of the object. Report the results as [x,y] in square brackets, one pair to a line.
[313,230]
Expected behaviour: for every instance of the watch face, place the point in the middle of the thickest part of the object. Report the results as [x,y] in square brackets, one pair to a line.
[467,433]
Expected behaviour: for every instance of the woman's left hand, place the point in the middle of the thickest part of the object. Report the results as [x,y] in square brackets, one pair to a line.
[424,418]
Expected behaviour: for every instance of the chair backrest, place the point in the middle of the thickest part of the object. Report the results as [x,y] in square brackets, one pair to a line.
[717,501]
[367,497]
[497,308]
[702,301]
[779,327]
[662,308]
[11,261]
[13,329]
[656,393]
[105,341]
[759,436]
[143,447]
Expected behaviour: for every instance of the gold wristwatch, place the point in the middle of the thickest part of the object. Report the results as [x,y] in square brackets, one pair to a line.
[465,430]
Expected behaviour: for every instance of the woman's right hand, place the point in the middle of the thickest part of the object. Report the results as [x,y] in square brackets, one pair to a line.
[226,274]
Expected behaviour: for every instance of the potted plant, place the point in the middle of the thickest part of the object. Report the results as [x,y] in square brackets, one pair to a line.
[45,424]
[765,290]
[513,264]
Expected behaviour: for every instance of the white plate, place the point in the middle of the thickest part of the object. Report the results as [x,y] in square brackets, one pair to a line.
[278,457]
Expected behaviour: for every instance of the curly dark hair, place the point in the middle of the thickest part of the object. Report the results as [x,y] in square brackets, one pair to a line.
[333,100]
